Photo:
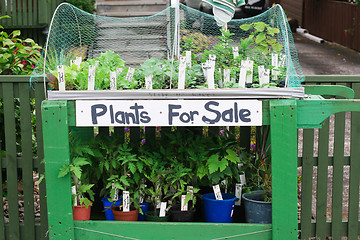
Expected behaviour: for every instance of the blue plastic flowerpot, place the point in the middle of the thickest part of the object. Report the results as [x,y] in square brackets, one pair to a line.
[144,206]
[218,211]
[256,209]
[107,207]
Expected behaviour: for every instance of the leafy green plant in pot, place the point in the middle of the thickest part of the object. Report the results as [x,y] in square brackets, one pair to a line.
[157,186]
[257,196]
[81,188]
[128,182]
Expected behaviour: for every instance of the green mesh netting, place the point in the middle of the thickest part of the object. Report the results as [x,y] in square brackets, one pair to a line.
[151,46]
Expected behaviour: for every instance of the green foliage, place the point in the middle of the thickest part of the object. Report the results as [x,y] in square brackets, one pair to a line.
[86,5]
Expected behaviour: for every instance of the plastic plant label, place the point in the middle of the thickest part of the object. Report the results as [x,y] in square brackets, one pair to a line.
[158,203]
[227,75]
[162,209]
[116,194]
[238,190]
[78,61]
[264,75]
[182,69]
[73,192]
[126,201]
[275,64]
[130,74]
[97,63]
[188,58]
[190,189]
[242,76]
[112,80]
[205,67]
[91,78]
[282,60]
[249,71]
[148,82]
[61,78]
[242,179]
[72,62]
[212,61]
[235,51]
[184,207]
[211,71]
[217,192]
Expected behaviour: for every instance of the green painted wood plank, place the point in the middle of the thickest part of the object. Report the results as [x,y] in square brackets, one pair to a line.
[164,231]
[30,14]
[25,12]
[332,78]
[13,13]
[11,168]
[328,90]
[354,176]
[283,133]
[27,168]
[338,175]
[43,12]
[322,178]
[57,153]
[36,13]
[3,13]
[306,183]
[2,222]
[39,97]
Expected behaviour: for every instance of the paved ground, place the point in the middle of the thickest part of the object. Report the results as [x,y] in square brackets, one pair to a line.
[327,58]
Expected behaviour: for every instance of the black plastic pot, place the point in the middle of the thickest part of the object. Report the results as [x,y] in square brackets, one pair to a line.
[150,217]
[256,209]
[182,216]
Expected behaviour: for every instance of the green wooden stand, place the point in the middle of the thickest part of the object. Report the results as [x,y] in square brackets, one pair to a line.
[284,116]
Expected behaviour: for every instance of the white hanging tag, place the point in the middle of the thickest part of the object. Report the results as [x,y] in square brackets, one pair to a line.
[242,76]
[182,69]
[227,75]
[78,61]
[158,203]
[113,85]
[91,78]
[162,209]
[238,190]
[217,192]
[275,64]
[148,82]
[235,51]
[61,78]
[190,189]
[204,67]
[73,192]
[264,75]
[211,71]
[188,58]
[130,74]
[249,72]
[126,201]
[242,179]
[97,63]
[184,207]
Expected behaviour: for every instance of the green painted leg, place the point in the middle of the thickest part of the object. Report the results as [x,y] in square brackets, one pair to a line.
[56,152]
[283,122]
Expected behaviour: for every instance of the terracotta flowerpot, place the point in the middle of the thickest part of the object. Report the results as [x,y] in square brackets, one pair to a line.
[81,213]
[132,215]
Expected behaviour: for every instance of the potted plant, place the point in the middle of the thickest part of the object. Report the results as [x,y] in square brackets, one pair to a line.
[257,199]
[81,188]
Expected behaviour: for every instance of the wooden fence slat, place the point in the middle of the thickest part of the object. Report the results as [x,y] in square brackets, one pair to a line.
[25,12]
[27,161]
[322,179]
[39,97]
[11,168]
[13,12]
[3,22]
[338,175]
[306,178]
[2,222]
[30,13]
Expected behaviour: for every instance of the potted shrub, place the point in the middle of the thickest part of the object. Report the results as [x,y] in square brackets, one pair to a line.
[81,188]
[257,199]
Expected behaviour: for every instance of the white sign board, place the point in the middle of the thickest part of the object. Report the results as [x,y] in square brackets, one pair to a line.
[168,113]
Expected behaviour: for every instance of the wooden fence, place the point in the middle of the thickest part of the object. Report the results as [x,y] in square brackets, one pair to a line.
[326,219]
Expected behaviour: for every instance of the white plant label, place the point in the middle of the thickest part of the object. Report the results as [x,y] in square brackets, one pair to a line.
[238,190]
[212,60]
[91,78]
[243,179]
[73,191]
[148,82]
[242,76]
[78,61]
[227,75]
[190,189]
[126,201]
[188,58]
[61,78]
[264,75]
[217,192]
[130,74]
[116,194]
[275,64]
[282,60]
[249,71]
[112,80]
[72,62]
[211,71]
[184,207]
[182,69]
[158,203]
[97,63]
[235,51]
[205,67]
[162,209]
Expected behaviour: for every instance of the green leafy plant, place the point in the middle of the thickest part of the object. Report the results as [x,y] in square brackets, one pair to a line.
[86,5]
